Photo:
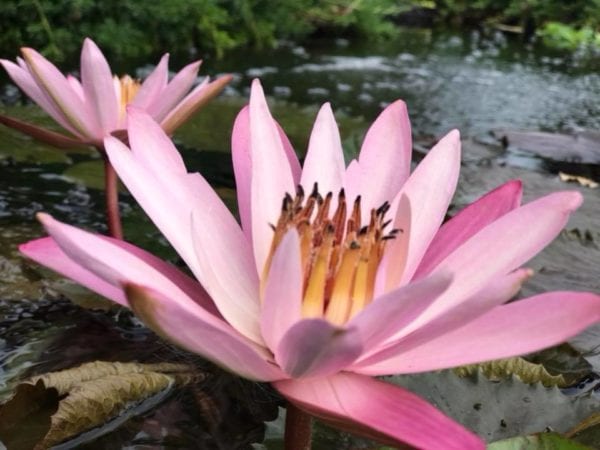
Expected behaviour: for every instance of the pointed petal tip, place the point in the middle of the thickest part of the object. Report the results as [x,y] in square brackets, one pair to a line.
[575,199]
[87,42]
[44,218]
[133,110]
[256,89]
[398,104]
[454,134]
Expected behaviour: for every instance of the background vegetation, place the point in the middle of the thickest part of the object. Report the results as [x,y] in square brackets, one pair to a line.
[130,29]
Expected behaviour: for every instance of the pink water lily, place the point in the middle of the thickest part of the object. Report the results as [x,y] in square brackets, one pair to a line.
[95,106]
[337,273]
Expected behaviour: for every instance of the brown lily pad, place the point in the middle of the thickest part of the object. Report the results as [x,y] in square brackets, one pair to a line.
[58,406]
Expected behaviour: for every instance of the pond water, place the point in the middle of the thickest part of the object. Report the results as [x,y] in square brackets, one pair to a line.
[474,81]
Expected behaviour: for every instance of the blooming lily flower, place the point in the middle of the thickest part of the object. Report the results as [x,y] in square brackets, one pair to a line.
[336,274]
[95,107]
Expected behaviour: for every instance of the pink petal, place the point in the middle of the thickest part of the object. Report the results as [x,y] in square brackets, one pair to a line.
[324,162]
[395,257]
[57,140]
[419,331]
[213,247]
[115,261]
[290,153]
[97,82]
[271,174]
[76,86]
[469,221]
[26,82]
[378,410]
[226,267]
[352,184]
[58,91]
[385,156]
[504,245]
[315,347]
[282,299]
[168,205]
[185,325]
[192,102]
[150,145]
[388,314]
[177,88]
[153,85]
[46,252]
[242,167]
[515,329]
[430,189]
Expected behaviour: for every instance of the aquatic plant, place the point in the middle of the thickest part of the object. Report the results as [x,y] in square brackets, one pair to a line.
[95,107]
[336,275]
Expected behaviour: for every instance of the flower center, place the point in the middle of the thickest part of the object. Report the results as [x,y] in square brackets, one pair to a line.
[339,257]
[127,88]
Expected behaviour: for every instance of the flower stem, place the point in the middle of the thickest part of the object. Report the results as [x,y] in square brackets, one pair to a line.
[298,427]
[111,188]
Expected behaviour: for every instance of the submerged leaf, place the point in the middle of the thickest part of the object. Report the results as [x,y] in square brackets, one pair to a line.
[542,441]
[59,406]
[525,371]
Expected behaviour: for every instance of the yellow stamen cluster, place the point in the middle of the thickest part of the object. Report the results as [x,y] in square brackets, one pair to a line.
[127,88]
[339,257]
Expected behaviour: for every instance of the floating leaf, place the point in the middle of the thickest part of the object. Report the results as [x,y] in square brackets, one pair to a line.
[564,360]
[542,441]
[525,371]
[73,401]
[498,410]
[581,147]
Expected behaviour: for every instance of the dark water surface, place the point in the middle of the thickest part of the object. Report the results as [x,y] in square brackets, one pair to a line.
[476,82]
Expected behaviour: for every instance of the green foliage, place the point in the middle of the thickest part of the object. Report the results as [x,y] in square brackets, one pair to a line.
[130,29]
[562,24]
[564,36]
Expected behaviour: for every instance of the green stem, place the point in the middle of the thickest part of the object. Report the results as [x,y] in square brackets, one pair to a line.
[298,429]
[111,189]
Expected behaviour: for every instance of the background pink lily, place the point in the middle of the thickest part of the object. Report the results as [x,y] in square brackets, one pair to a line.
[272,303]
[95,106]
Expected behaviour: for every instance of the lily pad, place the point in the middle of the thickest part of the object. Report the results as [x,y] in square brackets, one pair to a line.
[542,441]
[581,147]
[503,409]
[525,371]
[73,401]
